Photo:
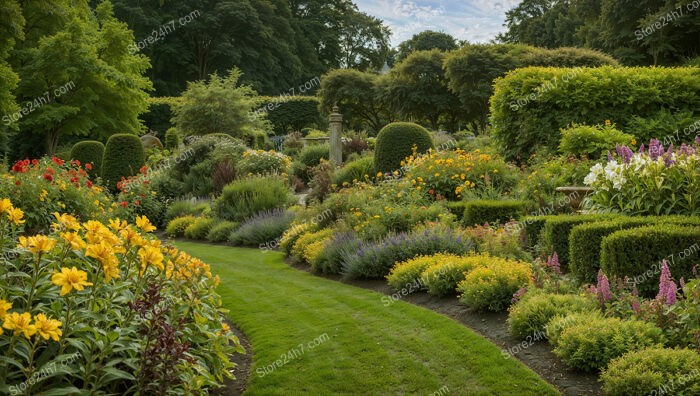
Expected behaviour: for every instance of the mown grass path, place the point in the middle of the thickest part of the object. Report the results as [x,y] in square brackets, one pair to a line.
[369,348]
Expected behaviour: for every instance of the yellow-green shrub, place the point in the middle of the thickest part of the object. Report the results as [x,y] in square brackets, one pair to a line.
[302,248]
[199,229]
[410,272]
[442,278]
[492,287]
[532,313]
[177,226]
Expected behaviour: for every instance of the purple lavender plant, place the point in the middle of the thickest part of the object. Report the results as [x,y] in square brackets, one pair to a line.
[603,288]
[656,149]
[667,287]
[625,153]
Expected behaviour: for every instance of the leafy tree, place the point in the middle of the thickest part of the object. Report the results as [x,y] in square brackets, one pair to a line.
[358,96]
[220,105]
[11,30]
[425,41]
[364,41]
[77,77]
[417,88]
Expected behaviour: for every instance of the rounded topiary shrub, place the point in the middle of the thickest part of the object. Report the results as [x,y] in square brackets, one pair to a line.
[395,142]
[124,156]
[653,371]
[89,152]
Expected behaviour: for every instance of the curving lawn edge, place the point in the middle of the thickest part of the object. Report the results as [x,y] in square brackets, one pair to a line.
[315,336]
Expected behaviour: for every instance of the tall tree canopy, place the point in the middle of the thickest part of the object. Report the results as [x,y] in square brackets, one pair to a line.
[277,44]
[425,41]
[637,32]
[11,30]
[77,77]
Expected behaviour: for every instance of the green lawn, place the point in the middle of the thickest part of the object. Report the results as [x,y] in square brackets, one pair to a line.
[370,349]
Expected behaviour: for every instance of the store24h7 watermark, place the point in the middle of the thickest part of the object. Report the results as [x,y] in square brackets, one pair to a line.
[42,100]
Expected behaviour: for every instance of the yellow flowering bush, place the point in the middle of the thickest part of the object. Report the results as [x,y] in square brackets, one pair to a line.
[260,162]
[451,174]
[133,314]
[310,244]
[492,287]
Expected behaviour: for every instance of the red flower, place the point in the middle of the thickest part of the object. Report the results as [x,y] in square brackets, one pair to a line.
[143,169]
[88,166]
[82,172]
[431,192]
[58,161]
[89,184]
[49,171]
[136,202]
[35,162]
[48,177]
[18,183]
[123,204]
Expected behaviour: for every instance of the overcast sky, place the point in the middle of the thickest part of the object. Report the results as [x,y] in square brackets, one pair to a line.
[472,20]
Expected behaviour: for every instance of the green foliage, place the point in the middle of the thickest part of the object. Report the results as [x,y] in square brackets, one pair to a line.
[220,105]
[310,245]
[266,226]
[246,197]
[177,226]
[357,94]
[653,370]
[568,57]
[186,207]
[532,226]
[591,341]
[529,104]
[556,230]
[533,312]
[492,212]
[441,278]
[592,141]
[259,162]
[123,157]
[312,155]
[199,229]
[425,41]
[89,152]
[545,176]
[492,287]
[10,32]
[330,261]
[407,274]
[292,113]
[637,253]
[221,231]
[395,142]
[172,139]
[354,171]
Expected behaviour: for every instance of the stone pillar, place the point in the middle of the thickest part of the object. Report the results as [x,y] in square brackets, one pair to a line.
[335,122]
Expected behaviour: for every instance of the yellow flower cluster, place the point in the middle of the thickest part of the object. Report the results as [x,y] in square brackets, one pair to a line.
[14,215]
[21,323]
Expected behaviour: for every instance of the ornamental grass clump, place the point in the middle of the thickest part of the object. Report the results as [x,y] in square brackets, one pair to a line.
[81,292]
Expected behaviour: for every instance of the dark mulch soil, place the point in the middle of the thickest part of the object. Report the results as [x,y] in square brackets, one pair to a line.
[537,354]
[243,361]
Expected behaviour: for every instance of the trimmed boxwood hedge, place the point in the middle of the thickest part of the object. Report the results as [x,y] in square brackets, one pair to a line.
[395,142]
[585,240]
[524,115]
[637,253]
[492,211]
[89,152]
[123,157]
[554,236]
[457,208]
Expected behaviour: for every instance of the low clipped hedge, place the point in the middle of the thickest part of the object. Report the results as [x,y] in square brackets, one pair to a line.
[124,156]
[89,152]
[637,253]
[588,341]
[395,142]
[653,371]
[585,240]
[556,230]
[492,211]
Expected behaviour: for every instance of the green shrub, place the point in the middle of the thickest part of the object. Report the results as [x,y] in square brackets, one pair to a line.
[199,229]
[637,253]
[592,141]
[456,208]
[177,227]
[186,207]
[524,115]
[245,197]
[652,371]
[312,155]
[172,139]
[533,312]
[89,152]
[591,341]
[310,244]
[408,273]
[568,57]
[293,113]
[265,226]
[555,233]
[395,142]
[124,156]
[441,279]
[492,212]
[355,170]
[259,162]
[492,287]
[533,225]
[221,231]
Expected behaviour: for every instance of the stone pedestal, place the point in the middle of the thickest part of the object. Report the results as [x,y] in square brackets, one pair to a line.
[335,122]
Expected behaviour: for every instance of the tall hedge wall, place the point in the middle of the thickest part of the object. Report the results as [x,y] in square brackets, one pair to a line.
[531,105]
[288,114]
